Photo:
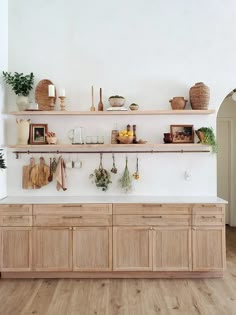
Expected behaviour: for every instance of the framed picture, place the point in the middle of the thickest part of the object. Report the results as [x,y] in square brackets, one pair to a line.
[182,133]
[38,133]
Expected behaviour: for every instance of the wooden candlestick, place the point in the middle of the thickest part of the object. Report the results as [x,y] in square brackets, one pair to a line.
[92,108]
[52,102]
[62,105]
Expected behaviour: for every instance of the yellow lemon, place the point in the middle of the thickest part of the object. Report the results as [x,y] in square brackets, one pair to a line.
[130,133]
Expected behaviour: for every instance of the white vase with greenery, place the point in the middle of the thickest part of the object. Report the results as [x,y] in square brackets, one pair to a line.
[21,85]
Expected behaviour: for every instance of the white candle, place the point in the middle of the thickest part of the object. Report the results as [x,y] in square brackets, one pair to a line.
[62,92]
[51,90]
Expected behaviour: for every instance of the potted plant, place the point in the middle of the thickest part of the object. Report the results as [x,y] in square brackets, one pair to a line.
[2,161]
[21,85]
[206,136]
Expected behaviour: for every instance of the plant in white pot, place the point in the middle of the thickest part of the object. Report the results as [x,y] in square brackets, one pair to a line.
[21,85]
[2,161]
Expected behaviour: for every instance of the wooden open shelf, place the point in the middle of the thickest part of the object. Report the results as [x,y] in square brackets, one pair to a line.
[109,113]
[107,148]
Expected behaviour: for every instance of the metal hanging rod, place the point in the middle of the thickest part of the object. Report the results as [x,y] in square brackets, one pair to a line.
[97,152]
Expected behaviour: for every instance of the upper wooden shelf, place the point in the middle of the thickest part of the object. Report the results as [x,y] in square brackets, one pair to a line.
[107,113]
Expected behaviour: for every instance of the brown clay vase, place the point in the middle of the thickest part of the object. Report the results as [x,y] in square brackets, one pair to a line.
[199,96]
[178,102]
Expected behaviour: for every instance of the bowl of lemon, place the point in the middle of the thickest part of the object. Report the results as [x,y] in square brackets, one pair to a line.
[125,137]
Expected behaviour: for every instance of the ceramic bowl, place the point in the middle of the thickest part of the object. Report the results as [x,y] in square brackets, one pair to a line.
[133,106]
[116,101]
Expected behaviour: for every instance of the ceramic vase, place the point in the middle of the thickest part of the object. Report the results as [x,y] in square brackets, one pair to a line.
[23,129]
[22,102]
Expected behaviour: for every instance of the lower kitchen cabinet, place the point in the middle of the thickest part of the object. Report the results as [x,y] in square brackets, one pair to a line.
[52,249]
[92,249]
[132,248]
[16,248]
[208,248]
[172,249]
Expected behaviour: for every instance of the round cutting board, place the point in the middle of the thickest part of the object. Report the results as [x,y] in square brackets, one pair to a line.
[41,95]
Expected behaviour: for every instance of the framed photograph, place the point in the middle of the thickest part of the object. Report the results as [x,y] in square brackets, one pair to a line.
[182,133]
[38,133]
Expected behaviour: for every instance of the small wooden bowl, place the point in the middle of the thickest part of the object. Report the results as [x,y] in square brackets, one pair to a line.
[125,140]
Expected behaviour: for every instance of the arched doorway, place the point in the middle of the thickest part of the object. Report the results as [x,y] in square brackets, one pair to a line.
[226,135]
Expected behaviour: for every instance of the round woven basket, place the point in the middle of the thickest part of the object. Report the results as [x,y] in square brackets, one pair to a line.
[199,95]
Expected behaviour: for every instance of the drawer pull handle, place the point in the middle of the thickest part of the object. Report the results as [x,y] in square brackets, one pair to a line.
[152,216]
[71,217]
[72,206]
[209,217]
[152,205]
[16,217]
[15,206]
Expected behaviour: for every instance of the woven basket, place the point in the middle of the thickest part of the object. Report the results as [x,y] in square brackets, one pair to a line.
[199,95]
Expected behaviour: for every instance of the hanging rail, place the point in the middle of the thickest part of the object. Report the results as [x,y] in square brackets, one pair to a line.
[122,151]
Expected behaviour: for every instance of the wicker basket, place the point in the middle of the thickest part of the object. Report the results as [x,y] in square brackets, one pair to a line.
[199,95]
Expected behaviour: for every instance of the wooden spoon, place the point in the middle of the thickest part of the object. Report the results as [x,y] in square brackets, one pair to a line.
[50,177]
[100,104]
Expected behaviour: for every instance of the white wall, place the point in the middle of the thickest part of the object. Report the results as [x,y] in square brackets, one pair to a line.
[146,51]
[3,66]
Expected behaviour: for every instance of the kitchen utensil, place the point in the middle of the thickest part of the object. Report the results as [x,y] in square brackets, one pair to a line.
[50,177]
[54,165]
[136,173]
[26,179]
[41,95]
[100,104]
[92,108]
[39,174]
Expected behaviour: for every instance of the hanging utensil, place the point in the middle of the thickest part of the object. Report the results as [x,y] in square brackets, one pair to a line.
[114,169]
[54,165]
[136,173]
[50,177]
[100,104]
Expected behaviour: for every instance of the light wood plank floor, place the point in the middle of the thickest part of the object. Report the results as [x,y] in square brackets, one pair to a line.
[124,297]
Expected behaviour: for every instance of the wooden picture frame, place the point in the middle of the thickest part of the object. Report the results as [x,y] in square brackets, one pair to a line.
[38,133]
[182,133]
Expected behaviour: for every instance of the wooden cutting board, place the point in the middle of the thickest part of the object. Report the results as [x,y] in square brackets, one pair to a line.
[26,175]
[41,95]
[39,174]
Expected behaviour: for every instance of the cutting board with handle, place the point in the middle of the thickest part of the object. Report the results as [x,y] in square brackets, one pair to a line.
[26,175]
[40,173]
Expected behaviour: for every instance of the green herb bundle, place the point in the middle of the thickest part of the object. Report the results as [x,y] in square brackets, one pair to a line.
[21,84]
[101,177]
[125,181]
[2,162]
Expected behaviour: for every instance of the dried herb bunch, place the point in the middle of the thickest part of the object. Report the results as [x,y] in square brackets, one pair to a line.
[125,181]
[101,177]
[2,161]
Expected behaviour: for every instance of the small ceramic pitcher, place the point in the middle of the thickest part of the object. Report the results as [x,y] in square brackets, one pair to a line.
[23,128]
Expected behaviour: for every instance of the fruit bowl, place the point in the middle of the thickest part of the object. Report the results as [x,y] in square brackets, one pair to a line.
[125,139]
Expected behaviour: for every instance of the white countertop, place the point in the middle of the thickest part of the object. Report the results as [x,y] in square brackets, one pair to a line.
[111,199]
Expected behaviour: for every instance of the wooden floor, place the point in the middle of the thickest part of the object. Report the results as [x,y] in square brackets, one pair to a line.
[128,297]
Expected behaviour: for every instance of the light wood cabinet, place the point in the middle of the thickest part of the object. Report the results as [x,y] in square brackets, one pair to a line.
[172,249]
[132,248]
[16,249]
[92,249]
[208,248]
[52,249]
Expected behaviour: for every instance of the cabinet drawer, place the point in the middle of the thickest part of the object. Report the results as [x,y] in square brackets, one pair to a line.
[208,219]
[15,220]
[208,209]
[72,220]
[148,208]
[15,209]
[163,219]
[72,209]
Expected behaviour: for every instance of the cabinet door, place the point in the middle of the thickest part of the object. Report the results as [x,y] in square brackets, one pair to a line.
[52,249]
[16,249]
[132,248]
[92,248]
[172,249]
[208,248]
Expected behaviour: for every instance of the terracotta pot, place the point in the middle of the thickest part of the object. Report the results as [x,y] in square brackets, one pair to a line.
[167,138]
[178,102]
[199,95]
